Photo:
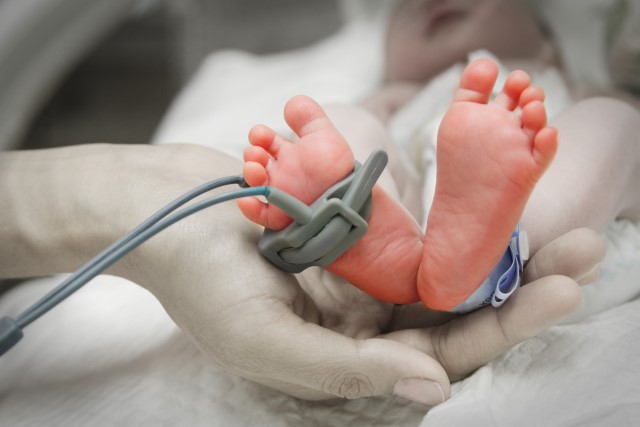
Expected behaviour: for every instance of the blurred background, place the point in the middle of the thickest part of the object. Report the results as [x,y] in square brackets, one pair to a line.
[78,71]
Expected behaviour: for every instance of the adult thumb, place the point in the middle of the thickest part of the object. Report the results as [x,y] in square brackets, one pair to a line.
[312,362]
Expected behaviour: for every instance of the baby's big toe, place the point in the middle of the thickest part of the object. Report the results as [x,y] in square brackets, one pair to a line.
[477,81]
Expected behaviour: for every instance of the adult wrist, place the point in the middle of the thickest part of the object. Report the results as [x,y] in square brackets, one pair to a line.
[48,221]
[59,207]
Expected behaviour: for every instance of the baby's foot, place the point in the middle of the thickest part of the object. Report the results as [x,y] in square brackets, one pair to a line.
[490,156]
[384,262]
[305,169]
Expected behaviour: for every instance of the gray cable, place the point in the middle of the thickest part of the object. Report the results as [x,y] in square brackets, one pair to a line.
[309,222]
[11,329]
[123,247]
[192,194]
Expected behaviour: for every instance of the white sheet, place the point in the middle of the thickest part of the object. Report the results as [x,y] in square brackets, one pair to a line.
[110,356]
[234,90]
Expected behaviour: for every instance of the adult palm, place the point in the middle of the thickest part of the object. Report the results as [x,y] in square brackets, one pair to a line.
[314,336]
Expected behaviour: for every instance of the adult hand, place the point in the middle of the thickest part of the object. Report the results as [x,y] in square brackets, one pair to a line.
[312,335]
[552,277]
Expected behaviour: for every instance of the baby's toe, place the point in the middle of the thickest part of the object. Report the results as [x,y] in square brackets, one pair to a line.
[530,94]
[254,210]
[257,155]
[305,116]
[534,118]
[477,81]
[517,82]
[545,146]
[255,174]
[268,139]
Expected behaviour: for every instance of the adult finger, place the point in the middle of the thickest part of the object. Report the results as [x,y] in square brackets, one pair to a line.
[277,348]
[576,254]
[468,342]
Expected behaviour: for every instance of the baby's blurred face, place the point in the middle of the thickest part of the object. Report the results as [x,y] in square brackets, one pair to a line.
[425,37]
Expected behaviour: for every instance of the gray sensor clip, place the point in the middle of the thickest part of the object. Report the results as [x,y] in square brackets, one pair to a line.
[323,231]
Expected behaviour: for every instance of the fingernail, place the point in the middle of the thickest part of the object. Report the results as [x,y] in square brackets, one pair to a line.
[419,390]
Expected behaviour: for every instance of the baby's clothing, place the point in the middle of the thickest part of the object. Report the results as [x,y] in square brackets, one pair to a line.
[504,280]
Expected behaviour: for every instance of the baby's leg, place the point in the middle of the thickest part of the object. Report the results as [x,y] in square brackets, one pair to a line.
[595,176]
[366,134]
[384,262]
[490,156]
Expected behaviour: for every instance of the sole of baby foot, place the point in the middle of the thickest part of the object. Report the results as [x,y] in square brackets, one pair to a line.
[490,155]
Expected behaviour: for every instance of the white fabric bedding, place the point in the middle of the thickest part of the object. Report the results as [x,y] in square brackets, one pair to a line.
[111,356]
